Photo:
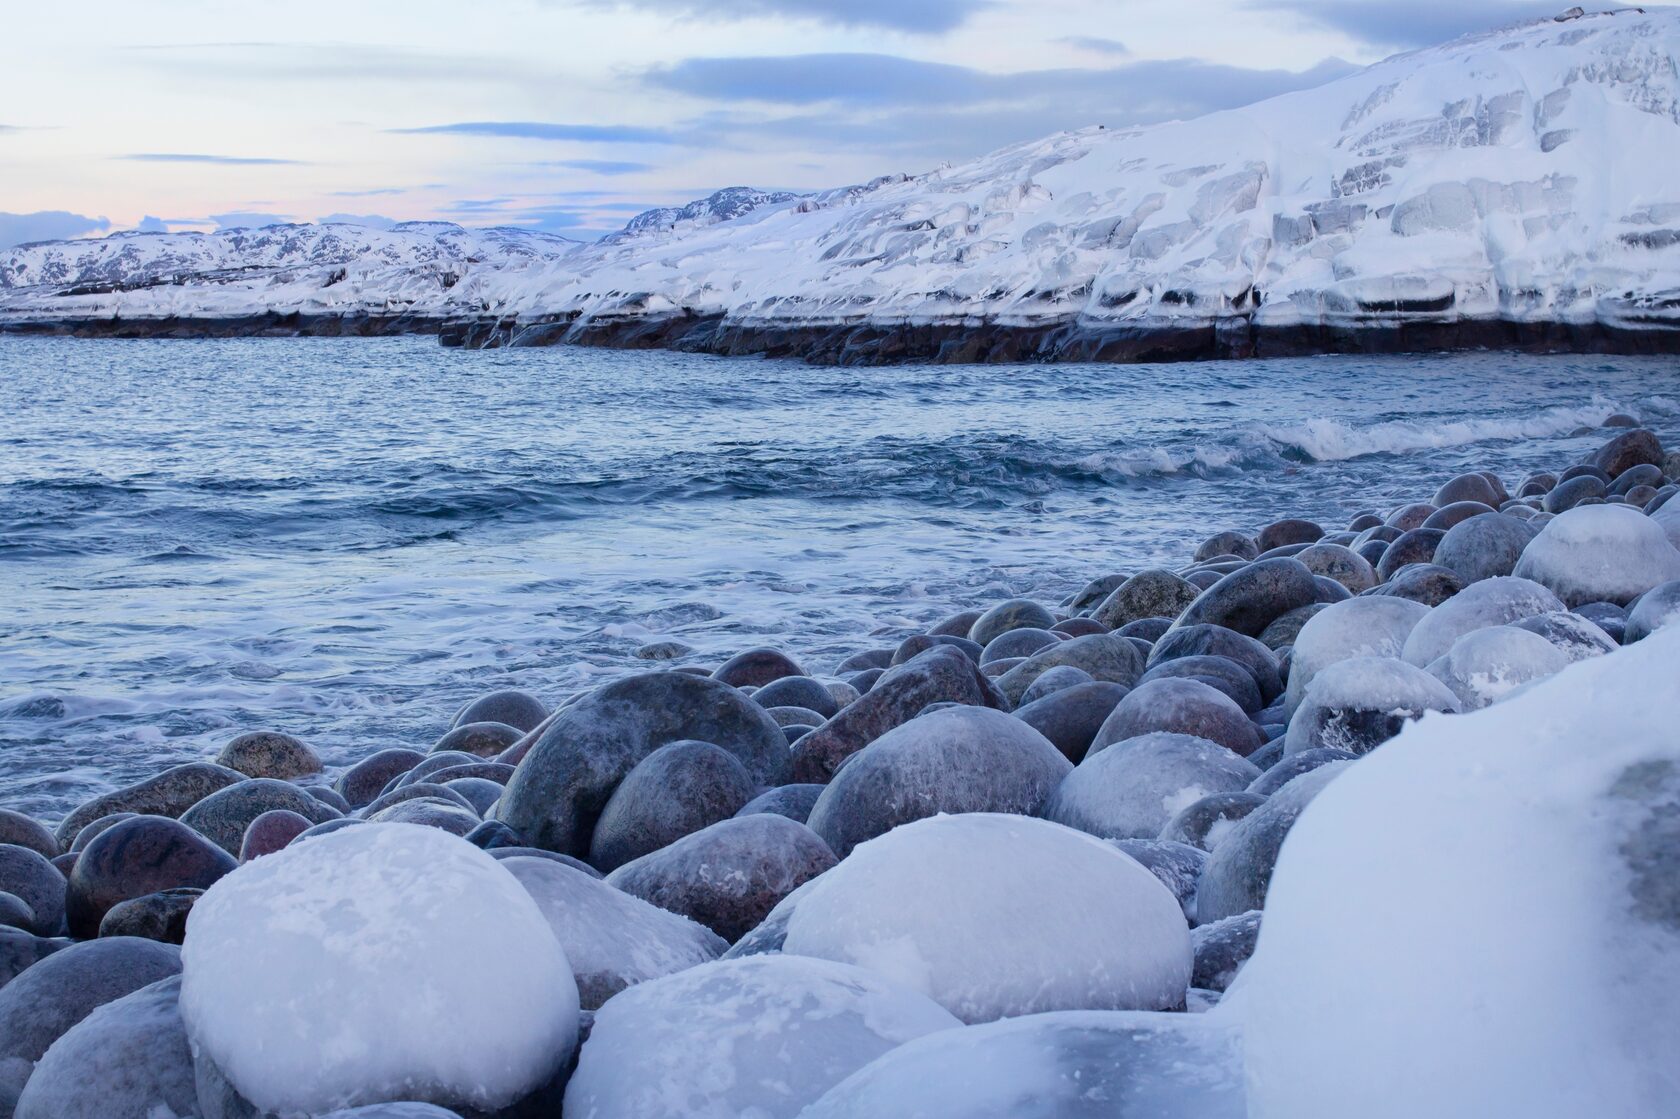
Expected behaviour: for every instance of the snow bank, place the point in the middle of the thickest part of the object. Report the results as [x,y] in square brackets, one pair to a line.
[1480,918]
[380,962]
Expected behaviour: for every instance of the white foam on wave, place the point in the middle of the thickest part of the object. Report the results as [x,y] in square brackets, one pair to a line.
[1157,461]
[1330,440]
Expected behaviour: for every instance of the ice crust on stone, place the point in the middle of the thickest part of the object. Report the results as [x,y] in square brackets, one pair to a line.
[611,940]
[1518,951]
[379,962]
[1485,665]
[1377,626]
[958,907]
[1490,602]
[1600,553]
[761,1036]
[1359,703]
[1064,1065]
[1131,789]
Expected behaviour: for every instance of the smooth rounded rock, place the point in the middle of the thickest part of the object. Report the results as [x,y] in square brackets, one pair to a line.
[1132,790]
[1575,636]
[756,667]
[1600,554]
[1203,823]
[1249,600]
[362,783]
[139,856]
[793,801]
[798,691]
[1239,869]
[560,789]
[1491,602]
[1485,665]
[514,708]
[1416,546]
[730,875]
[1578,491]
[222,817]
[1155,593]
[45,1001]
[1376,626]
[1017,643]
[1345,566]
[1228,543]
[1103,656]
[1017,613]
[962,759]
[1217,641]
[958,907]
[1222,948]
[1071,717]
[1280,534]
[271,832]
[1361,702]
[170,793]
[1221,673]
[33,879]
[1629,449]
[674,791]
[269,753]
[1457,513]
[1182,707]
[1468,487]
[1062,676]
[1483,547]
[482,739]
[1426,583]
[1656,608]
[23,831]
[161,916]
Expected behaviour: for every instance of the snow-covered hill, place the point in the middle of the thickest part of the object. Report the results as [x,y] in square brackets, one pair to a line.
[305,268]
[1522,184]
[719,206]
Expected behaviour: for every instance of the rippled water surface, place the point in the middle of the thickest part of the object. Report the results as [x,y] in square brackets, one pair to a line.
[348,538]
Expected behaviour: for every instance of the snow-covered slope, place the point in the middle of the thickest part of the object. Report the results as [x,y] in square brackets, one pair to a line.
[1530,174]
[719,206]
[317,269]
[1522,180]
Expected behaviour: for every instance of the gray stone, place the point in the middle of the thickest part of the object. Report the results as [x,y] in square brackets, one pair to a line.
[793,801]
[1249,600]
[1582,490]
[222,817]
[798,691]
[674,791]
[1062,676]
[24,831]
[1204,822]
[161,916]
[1657,607]
[33,879]
[730,875]
[1627,450]
[429,812]
[1221,673]
[1408,517]
[1070,717]
[756,667]
[1343,565]
[420,790]
[1018,613]
[560,788]
[1217,641]
[515,708]
[962,759]
[1183,707]
[434,762]
[1281,534]
[482,740]
[1291,766]
[1468,487]
[1017,643]
[479,792]
[1287,627]
[940,675]
[20,949]
[1239,868]
[1228,543]
[1178,866]
[170,793]
[917,644]
[1483,547]
[1428,583]
[1131,790]
[1222,948]
[363,782]
[1155,593]
[1415,546]
[269,753]
[42,1004]
[1104,656]
[139,856]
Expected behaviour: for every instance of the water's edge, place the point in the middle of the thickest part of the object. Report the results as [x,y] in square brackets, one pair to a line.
[863,342]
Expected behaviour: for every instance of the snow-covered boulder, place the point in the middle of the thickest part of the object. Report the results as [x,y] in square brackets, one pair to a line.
[1359,703]
[1514,949]
[1375,626]
[1131,789]
[762,1036]
[1600,553]
[380,962]
[1576,637]
[1656,608]
[959,907]
[612,940]
[1065,1065]
[1490,602]
[1485,665]
[1239,870]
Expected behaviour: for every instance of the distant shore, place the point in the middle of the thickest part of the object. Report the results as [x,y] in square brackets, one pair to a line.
[867,342]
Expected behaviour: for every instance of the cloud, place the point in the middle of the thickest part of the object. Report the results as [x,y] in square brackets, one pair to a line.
[245,219]
[540,130]
[1419,23]
[47,225]
[191,157]
[1095,44]
[366,193]
[149,224]
[599,166]
[923,17]
[371,221]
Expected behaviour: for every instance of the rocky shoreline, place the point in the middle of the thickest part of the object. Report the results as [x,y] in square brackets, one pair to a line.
[868,343]
[1036,837]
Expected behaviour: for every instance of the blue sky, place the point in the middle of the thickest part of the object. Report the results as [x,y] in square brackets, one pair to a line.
[569,115]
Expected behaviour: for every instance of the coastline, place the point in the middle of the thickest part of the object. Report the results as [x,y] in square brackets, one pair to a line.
[862,341]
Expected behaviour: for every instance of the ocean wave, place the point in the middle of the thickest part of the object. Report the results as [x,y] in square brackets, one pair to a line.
[1330,440]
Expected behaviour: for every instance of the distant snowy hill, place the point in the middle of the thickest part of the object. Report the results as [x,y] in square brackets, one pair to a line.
[309,268]
[720,206]
[1524,178]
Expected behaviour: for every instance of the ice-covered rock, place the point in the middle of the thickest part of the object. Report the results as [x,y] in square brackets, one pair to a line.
[1491,602]
[1359,703]
[762,1036]
[1132,789]
[1485,665]
[379,962]
[612,940]
[1576,637]
[1657,607]
[1600,553]
[1065,1065]
[957,907]
[1239,869]
[1375,626]
[1549,839]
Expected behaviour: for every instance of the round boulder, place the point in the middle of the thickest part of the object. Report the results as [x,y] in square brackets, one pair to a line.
[1600,553]
[1485,665]
[222,817]
[1249,600]
[1483,547]
[1017,613]
[514,708]
[1239,869]
[1359,703]
[1133,789]
[481,740]
[1203,823]
[1180,707]
[31,878]
[139,856]
[269,753]
[674,791]
[1491,602]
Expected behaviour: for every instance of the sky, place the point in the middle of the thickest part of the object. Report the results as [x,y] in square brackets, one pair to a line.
[569,116]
